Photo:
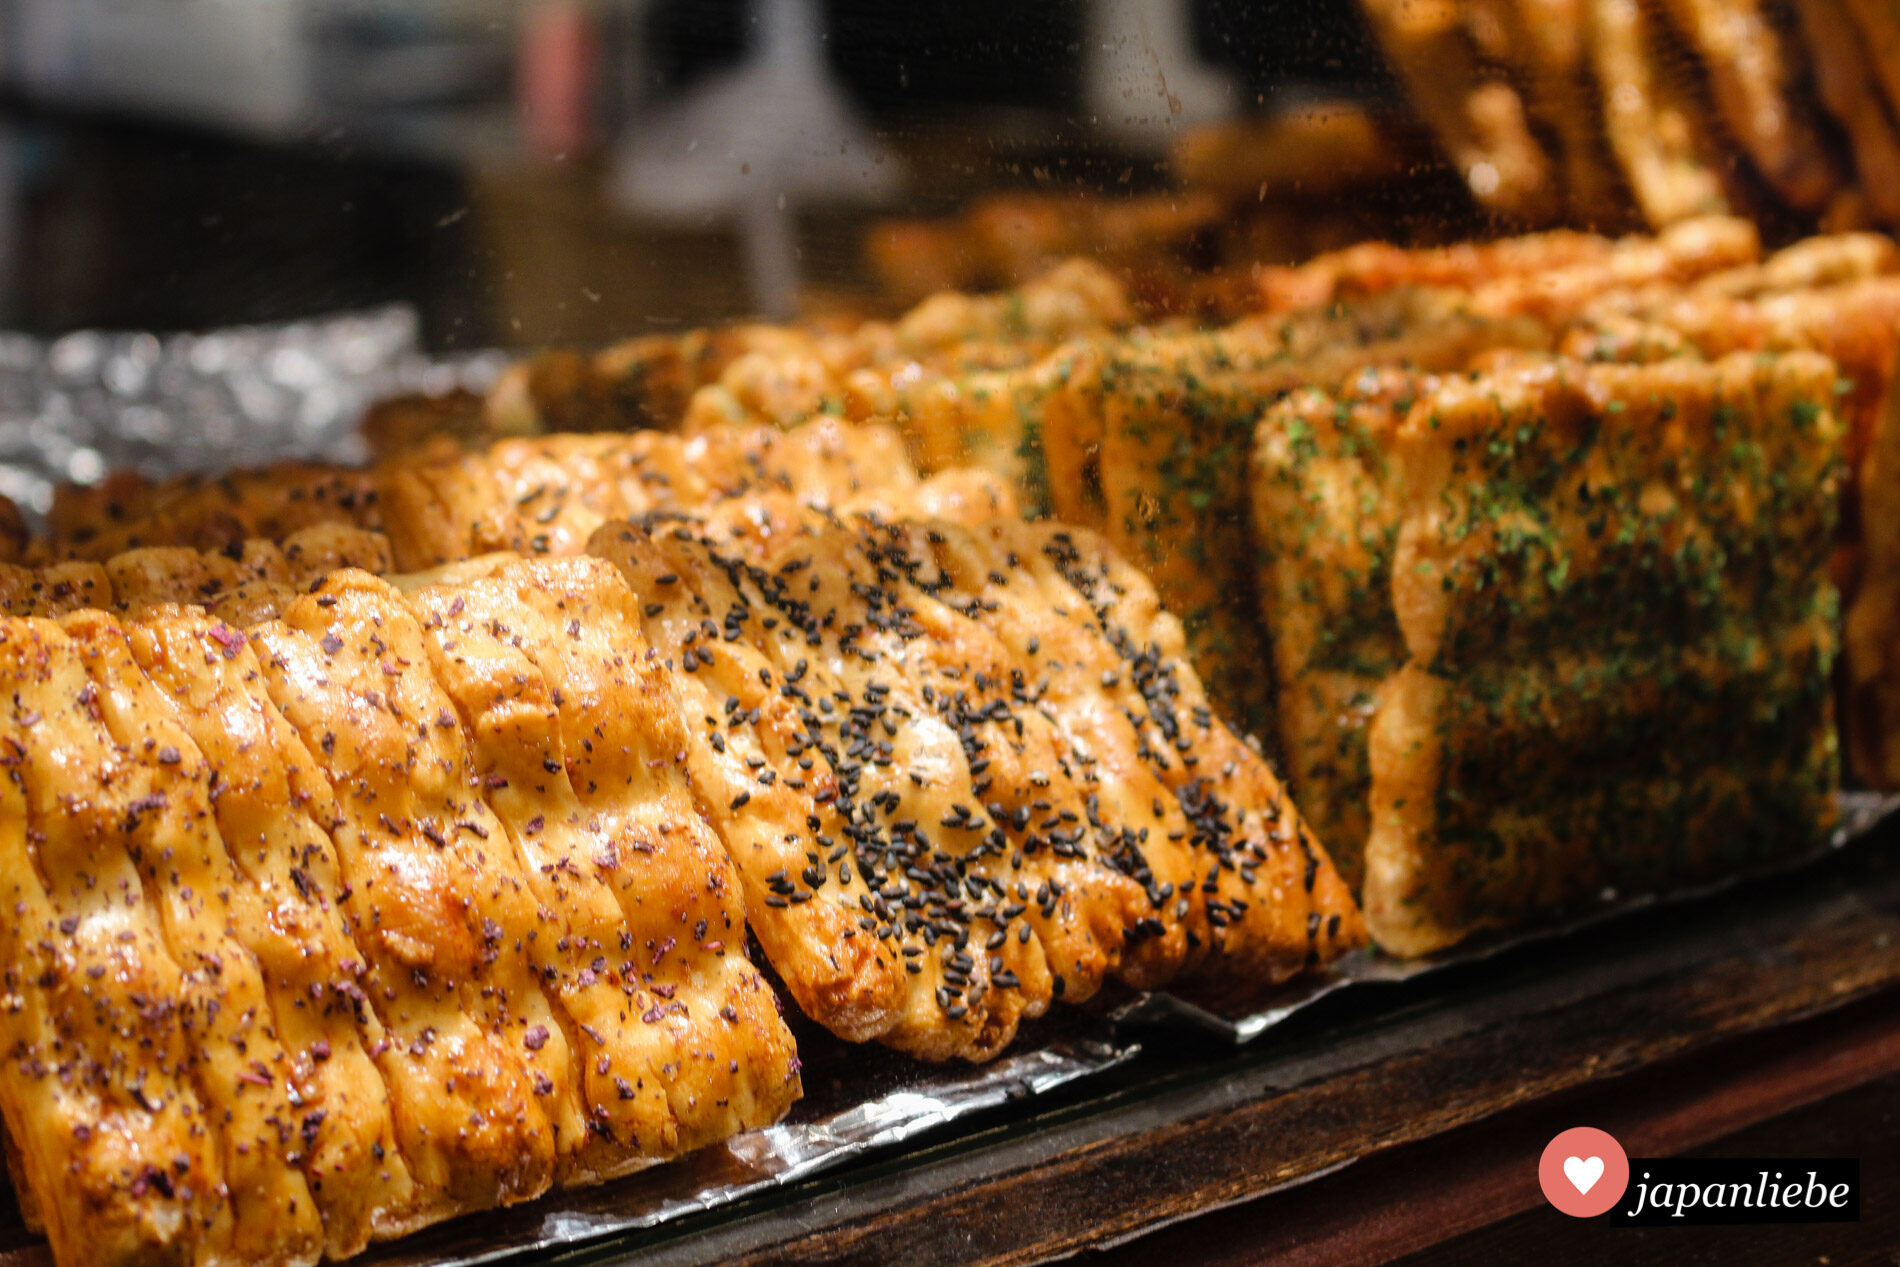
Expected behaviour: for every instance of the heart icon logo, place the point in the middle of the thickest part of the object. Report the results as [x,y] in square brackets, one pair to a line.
[1583,1172]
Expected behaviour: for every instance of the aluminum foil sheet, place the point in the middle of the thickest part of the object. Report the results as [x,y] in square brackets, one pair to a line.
[76,407]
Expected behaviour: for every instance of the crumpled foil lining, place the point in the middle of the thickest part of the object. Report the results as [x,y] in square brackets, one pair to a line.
[76,407]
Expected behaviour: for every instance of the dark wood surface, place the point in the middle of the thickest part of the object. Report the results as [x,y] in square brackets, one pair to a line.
[1863,1122]
[1825,1087]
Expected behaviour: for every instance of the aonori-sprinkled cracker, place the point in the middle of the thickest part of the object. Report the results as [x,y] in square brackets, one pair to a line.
[1177,428]
[1613,589]
[1852,322]
[1325,527]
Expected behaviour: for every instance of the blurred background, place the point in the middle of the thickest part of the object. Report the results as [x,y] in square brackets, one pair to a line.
[579,170]
[526,172]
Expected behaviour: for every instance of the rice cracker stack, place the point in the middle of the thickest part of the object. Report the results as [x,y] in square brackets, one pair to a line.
[534,496]
[966,771]
[1325,530]
[1618,624]
[394,908]
[1176,424]
[1552,627]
